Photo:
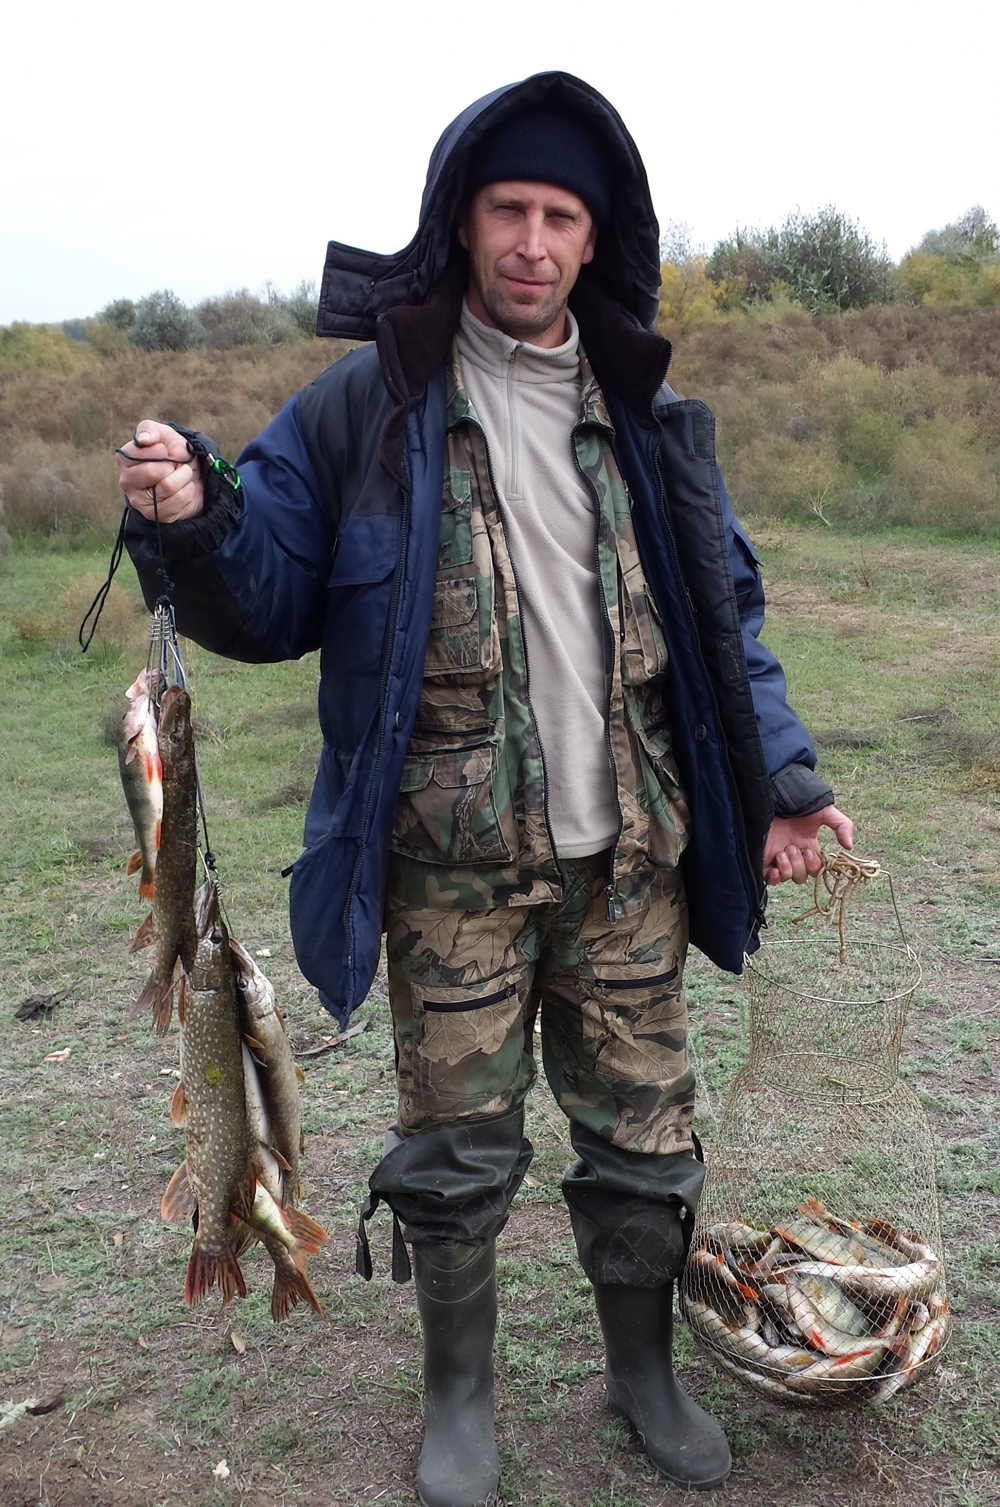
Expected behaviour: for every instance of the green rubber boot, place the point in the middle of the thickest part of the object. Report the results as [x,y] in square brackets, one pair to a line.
[683,1441]
[457,1302]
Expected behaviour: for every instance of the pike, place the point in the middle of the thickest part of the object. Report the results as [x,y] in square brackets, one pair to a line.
[265,1032]
[218,1140]
[142,776]
[172,925]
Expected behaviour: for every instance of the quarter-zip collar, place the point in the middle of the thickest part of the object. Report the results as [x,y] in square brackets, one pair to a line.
[500,355]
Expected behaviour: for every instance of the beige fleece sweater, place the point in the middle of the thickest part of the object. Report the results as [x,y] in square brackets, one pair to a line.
[528,400]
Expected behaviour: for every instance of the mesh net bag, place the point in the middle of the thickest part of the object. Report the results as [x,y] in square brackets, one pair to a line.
[815,1273]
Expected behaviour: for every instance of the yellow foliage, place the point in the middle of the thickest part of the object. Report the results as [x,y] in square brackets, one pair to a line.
[687,293]
[34,346]
[944,282]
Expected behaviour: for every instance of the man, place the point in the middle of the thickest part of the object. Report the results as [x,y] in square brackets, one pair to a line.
[553,746]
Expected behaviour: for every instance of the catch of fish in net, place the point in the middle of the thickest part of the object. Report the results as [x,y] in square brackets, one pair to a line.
[817,1308]
[816,1271]
[238,1098]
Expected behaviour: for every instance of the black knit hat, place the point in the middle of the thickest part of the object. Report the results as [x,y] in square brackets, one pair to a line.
[544,146]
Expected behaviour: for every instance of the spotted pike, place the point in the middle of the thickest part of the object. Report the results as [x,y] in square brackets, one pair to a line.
[142,776]
[265,1031]
[219,1143]
[173,925]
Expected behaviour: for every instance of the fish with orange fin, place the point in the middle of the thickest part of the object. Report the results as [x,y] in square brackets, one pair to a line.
[288,1236]
[219,1143]
[172,927]
[142,776]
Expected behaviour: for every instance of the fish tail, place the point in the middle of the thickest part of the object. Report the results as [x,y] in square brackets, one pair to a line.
[147,884]
[289,1289]
[305,1230]
[158,997]
[208,1268]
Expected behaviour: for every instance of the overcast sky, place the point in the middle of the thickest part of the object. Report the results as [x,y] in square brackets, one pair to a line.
[207,145]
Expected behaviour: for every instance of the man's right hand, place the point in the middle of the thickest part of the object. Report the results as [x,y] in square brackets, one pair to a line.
[179,490]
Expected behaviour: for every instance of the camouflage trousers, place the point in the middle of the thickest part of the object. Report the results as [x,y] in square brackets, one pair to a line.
[466,988]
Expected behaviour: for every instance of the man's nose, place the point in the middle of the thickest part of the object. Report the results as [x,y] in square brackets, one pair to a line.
[532,246]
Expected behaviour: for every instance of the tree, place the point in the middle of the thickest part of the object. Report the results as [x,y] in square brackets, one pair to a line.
[120,313]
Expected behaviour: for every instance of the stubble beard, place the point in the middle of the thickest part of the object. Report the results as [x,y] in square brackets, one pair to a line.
[521,321]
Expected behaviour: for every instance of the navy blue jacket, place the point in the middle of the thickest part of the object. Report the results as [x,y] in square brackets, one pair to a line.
[331,544]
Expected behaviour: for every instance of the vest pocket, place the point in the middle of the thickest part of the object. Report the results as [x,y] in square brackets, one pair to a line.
[447,810]
[661,796]
[464,640]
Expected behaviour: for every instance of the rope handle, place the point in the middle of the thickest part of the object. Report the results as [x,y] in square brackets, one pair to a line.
[841,874]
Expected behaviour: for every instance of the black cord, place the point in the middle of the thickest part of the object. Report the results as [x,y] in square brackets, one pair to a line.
[97,605]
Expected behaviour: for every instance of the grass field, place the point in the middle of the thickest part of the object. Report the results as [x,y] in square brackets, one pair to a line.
[891,647]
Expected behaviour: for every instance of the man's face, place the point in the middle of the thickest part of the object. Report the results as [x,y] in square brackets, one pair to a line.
[526,245]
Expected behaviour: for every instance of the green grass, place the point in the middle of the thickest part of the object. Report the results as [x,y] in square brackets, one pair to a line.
[873,635]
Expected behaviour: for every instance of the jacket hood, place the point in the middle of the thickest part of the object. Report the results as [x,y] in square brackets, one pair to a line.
[359,286]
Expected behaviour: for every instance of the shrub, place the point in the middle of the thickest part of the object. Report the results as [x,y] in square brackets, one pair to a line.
[687,293]
[825,260]
[163,323]
[241,318]
[37,346]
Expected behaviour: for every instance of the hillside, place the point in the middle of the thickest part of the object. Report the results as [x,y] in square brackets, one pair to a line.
[879,416]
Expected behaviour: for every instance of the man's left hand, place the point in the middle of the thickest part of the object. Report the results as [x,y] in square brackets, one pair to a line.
[792,847]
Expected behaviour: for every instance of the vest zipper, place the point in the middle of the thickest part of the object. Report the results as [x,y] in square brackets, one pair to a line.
[609,887]
[524,645]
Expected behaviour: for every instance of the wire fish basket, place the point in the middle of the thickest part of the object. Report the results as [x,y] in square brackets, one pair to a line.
[816,1273]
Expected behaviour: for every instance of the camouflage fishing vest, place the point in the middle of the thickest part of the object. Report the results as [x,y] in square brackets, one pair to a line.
[470,829]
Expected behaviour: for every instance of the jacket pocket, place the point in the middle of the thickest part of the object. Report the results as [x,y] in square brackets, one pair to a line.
[447,809]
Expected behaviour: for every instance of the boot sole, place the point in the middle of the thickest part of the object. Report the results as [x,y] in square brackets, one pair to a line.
[490,1501]
[681,1481]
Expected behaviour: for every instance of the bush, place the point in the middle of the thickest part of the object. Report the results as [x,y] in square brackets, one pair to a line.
[37,346]
[825,260]
[241,318]
[163,323]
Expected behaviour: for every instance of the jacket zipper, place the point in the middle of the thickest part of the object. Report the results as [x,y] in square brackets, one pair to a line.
[609,887]
[740,833]
[524,645]
[383,688]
